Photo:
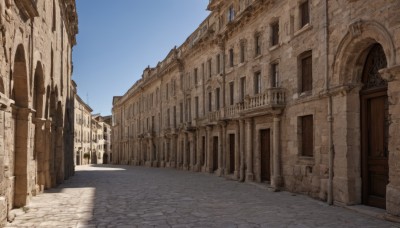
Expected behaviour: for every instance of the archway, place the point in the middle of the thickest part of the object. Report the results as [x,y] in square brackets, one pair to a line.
[374,129]
[366,41]
[21,116]
[40,134]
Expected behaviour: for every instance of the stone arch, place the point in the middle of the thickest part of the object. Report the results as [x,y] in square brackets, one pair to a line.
[348,62]
[21,114]
[348,68]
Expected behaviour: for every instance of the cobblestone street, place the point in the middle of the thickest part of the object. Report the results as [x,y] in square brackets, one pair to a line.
[124,196]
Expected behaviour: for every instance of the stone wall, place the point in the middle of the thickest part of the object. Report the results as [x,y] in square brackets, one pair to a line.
[337,37]
[35,125]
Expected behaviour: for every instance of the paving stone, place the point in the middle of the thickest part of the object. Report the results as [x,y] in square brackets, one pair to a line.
[126,196]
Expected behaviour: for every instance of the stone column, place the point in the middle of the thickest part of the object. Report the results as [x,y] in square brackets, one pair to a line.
[277,178]
[242,150]
[237,152]
[151,152]
[249,149]
[173,152]
[209,167]
[221,142]
[193,150]
[185,151]
[198,150]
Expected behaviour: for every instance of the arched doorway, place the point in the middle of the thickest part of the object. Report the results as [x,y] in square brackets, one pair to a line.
[374,129]
[21,116]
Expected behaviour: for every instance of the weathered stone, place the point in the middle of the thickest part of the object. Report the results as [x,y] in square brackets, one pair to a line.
[188,95]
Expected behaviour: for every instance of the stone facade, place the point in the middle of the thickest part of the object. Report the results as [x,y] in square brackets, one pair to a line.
[36,105]
[92,136]
[272,91]
[83,132]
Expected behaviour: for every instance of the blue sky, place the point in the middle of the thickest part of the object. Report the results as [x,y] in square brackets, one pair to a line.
[118,39]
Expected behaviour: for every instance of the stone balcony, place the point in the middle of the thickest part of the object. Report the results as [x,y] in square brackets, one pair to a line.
[265,103]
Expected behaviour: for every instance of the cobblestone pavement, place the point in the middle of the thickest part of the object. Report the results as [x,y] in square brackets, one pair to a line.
[123,196]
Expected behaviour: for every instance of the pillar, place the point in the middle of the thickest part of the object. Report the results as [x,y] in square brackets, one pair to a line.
[249,150]
[242,150]
[185,151]
[209,150]
[277,177]
[237,152]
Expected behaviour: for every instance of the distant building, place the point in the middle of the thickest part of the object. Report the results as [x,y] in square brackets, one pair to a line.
[83,132]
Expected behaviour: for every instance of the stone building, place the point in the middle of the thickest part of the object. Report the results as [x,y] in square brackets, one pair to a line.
[103,139]
[299,94]
[83,132]
[36,104]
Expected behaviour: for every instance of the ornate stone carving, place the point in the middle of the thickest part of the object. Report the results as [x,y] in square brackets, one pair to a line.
[355,28]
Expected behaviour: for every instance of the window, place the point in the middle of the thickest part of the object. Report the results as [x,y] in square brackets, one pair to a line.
[209,102]
[307,136]
[203,70]
[218,63]
[257,82]
[275,75]
[181,112]
[209,68]
[231,13]
[231,57]
[174,116]
[196,76]
[242,52]
[231,93]
[242,88]
[304,14]
[196,101]
[257,40]
[166,91]
[275,33]
[217,104]
[306,72]
[168,118]
[189,109]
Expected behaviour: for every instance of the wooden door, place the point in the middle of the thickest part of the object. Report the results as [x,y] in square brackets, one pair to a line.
[231,153]
[215,153]
[265,150]
[374,130]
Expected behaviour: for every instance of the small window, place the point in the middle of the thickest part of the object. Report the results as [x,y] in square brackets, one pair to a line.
[231,13]
[306,72]
[209,102]
[209,68]
[196,76]
[242,52]
[217,98]
[275,75]
[304,14]
[196,101]
[181,112]
[257,43]
[242,88]
[307,136]
[257,82]
[231,93]
[231,57]
[218,63]
[275,33]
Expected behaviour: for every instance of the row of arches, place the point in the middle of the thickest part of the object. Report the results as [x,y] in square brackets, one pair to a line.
[38,131]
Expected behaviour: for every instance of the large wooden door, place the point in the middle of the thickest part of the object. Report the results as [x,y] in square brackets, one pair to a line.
[265,147]
[215,153]
[231,153]
[374,130]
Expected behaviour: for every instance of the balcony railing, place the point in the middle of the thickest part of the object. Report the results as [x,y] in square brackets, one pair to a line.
[214,116]
[272,98]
